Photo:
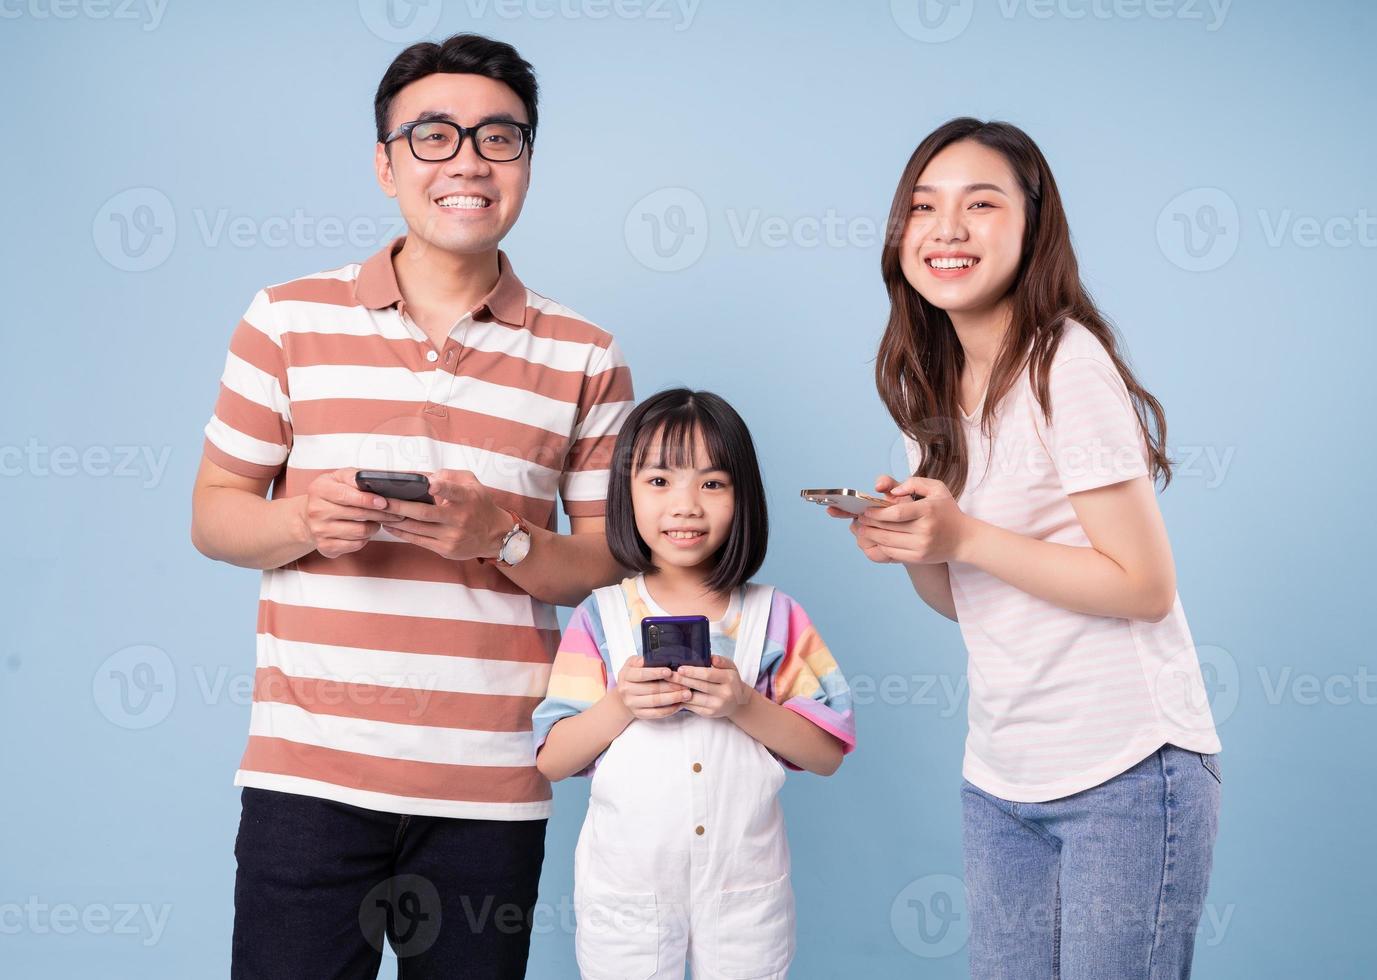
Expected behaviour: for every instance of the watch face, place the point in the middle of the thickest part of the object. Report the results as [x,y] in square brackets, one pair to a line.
[518,547]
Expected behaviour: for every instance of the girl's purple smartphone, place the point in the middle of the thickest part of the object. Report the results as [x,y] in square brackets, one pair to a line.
[669,641]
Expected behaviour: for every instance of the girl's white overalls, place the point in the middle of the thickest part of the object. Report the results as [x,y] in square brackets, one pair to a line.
[683,855]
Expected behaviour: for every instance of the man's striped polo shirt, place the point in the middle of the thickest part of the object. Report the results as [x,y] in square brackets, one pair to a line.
[393,678]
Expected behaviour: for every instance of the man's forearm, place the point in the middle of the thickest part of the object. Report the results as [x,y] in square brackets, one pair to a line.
[562,569]
[243,529]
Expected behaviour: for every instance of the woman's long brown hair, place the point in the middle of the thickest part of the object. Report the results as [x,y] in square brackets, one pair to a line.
[918,369]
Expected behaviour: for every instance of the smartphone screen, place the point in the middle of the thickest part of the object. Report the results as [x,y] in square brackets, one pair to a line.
[395,485]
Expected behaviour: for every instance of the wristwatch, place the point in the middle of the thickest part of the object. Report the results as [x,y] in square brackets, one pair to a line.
[516,545]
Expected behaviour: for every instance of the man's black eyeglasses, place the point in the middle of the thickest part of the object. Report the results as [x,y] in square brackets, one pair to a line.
[437,140]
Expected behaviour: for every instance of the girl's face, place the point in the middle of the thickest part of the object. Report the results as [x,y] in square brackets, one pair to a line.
[683,513]
[964,237]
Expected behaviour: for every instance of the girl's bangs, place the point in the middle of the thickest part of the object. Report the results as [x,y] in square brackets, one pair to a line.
[674,442]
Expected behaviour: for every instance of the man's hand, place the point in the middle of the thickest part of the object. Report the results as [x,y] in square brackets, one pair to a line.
[718,691]
[648,692]
[464,522]
[339,518]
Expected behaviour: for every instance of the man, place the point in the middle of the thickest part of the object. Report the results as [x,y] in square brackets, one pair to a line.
[389,780]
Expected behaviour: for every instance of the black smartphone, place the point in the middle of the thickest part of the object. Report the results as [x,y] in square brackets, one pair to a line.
[395,485]
[670,641]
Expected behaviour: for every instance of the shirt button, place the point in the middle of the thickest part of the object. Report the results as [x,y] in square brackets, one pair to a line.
[432,356]
[698,830]
[698,767]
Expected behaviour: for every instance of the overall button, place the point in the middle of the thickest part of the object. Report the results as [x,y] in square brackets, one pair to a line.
[698,767]
[432,356]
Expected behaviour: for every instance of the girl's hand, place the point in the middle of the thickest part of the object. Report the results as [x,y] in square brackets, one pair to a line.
[718,691]
[648,692]
[928,531]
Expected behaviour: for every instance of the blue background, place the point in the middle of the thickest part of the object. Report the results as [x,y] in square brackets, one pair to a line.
[758,124]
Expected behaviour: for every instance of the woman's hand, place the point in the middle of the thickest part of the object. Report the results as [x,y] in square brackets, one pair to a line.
[868,545]
[718,691]
[648,692]
[928,531]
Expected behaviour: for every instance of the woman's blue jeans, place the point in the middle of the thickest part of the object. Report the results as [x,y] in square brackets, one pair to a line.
[1105,884]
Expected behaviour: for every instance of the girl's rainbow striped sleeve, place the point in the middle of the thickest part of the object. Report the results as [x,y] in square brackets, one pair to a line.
[799,672]
[578,677]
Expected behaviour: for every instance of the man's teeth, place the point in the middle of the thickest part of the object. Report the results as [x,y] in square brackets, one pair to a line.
[462,201]
[684,535]
[952,263]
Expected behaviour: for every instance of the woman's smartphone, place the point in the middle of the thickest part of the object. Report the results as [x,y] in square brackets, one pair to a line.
[395,485]
[851,501]
[671,641]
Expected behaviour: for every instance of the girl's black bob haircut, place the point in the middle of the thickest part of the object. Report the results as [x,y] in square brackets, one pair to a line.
[671,422]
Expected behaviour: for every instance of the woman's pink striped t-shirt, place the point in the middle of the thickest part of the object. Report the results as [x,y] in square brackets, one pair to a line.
[1060,701]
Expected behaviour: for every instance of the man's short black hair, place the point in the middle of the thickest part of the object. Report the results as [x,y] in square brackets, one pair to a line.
[672,421]
[462,54]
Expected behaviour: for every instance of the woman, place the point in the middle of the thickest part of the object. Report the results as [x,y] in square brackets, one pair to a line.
[1091,777]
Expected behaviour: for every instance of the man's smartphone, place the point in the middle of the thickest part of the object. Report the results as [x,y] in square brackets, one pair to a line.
[395,485]
[671,641]
[851,501]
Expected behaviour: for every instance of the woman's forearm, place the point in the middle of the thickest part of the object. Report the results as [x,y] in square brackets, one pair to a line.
[574,742]
[1073,577]
[933,585]
[788,734]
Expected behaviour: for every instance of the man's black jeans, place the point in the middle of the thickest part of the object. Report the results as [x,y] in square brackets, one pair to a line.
[321,883]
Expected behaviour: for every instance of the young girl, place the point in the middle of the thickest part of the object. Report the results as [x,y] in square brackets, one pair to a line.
[1092,784]
[683,856]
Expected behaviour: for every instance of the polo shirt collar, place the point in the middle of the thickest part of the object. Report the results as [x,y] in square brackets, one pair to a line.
[376,287]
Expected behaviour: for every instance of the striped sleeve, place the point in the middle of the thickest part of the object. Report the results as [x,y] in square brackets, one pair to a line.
[1095,438]
[578,677]
[604,403]
[798,671]
[250,432]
